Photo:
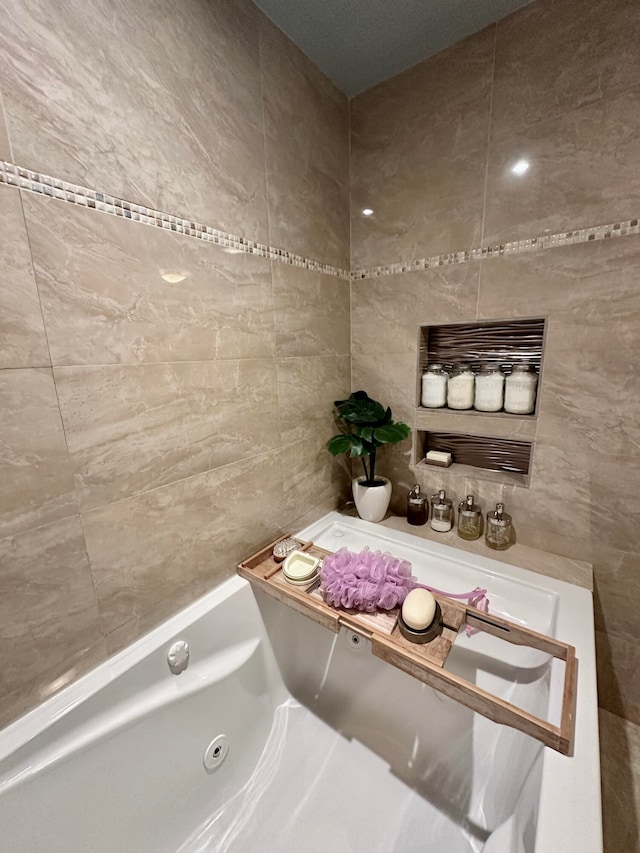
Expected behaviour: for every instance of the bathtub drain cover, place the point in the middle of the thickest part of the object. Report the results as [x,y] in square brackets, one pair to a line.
[215,753]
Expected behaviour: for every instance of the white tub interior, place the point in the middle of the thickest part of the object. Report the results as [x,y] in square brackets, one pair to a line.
[329,747]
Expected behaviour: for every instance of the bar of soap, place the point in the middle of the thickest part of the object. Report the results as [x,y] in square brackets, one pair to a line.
[419,609]
[439,457]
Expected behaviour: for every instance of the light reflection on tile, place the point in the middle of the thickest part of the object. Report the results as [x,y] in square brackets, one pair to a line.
[105,301]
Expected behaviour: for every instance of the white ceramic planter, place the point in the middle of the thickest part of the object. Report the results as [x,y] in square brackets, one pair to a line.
[372,502]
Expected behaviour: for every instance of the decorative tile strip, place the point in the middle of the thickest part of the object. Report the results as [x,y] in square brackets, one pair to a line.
[517,247]
[26,179]
[35,182]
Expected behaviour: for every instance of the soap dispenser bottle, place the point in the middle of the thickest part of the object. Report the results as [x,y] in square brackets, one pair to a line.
[469,519]
[499,532]
[441,512]
[417,509]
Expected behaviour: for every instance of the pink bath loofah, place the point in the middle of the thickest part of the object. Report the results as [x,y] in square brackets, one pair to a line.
[371,581]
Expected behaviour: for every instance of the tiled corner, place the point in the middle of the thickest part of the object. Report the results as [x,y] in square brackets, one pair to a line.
[311,313]
[386,311]
[305,114]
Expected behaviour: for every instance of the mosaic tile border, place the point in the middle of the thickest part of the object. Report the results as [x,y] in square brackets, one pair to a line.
[27,179]
[517,247]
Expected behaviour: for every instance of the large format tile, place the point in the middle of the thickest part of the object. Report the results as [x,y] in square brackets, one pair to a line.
[36,486]
[311,313]
[583,171]
[554,513]
[311,479]
[437,105]
[389,378]
[304,112]
[48,609]
[105,301]
[136,113]
[588,398]
[22,338]
[618,664]
[387,311]
[307,389]
[42,687]
[418,155]
[179,541]
[135,427]
[620,770]
[424,206]
[308,209]
[617,582]
[554,56]
[5,147]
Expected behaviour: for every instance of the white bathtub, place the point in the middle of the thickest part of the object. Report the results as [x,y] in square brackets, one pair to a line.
[329,748]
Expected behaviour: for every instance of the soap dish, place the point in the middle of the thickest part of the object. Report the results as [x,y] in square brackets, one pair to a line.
[300,568]
[424,635]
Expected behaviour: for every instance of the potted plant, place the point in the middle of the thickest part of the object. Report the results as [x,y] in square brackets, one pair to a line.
[366,425]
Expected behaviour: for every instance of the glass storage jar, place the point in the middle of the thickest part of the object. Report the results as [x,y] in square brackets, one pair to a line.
[520,390]
[441,512]
[498,533]
[460,389]
[434,387]
[489,394]
[417,509]
[469,519]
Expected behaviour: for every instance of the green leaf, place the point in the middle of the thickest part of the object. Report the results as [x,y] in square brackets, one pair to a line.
[365,433]
[391,433]
[341,444]
[360,409]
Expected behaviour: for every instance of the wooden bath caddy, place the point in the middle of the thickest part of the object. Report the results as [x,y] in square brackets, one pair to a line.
[426,662]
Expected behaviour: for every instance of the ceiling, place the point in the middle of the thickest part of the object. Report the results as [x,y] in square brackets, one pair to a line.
[358,43]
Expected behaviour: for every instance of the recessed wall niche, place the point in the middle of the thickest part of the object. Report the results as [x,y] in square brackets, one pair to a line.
[499,343]
[500,459]
[495,445]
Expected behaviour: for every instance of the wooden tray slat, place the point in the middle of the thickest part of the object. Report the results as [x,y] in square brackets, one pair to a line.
[426,662]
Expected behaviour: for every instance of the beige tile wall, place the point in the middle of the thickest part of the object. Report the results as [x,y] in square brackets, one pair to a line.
[154,433]
[431,149]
